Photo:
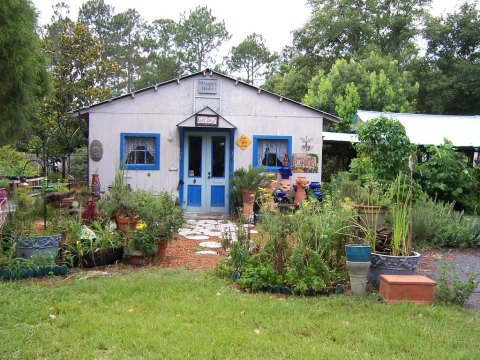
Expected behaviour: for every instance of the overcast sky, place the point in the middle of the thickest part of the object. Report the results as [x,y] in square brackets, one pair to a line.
[273,19]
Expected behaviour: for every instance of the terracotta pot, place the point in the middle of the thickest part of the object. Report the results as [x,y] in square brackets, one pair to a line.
[248,197]
[96,185]
[125,224]
[301,183]
[162,249]
[63,203]
[138,259]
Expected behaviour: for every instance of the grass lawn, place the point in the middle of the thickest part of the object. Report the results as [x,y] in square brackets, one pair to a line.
[155,313]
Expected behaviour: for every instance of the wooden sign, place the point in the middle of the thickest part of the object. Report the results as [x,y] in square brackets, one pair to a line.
[206,120]
[305,163]
[243,142]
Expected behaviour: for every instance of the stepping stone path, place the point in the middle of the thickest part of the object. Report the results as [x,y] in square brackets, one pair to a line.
[197,230]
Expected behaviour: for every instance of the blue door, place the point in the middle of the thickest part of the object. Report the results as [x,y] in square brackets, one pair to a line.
[206,171]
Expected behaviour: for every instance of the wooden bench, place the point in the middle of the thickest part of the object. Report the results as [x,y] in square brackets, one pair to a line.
[414,288]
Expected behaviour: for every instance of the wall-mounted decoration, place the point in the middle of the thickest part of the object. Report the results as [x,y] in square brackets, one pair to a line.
[306,143]
[243,142]
[206,120]
[207,86]
[305,163]
[95,150]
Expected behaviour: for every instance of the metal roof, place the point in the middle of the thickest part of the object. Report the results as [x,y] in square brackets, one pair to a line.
[86,109]
[425,129]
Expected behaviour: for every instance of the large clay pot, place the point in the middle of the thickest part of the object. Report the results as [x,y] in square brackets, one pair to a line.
[372,216]
[162,249]
[32,246]
[391,265]
[300,184]
[96,185]
[248,197]
[124,224]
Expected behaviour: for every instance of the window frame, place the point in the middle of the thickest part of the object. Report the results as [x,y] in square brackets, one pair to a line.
[270,137]
[154,166]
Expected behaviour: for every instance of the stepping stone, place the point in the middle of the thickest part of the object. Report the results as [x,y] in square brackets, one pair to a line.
[206,252]
[210,244]
[197,237]
[253,232]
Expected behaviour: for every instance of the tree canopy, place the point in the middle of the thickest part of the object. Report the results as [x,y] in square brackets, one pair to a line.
[23,68]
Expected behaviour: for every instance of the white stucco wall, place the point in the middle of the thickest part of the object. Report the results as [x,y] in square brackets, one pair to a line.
[159,111]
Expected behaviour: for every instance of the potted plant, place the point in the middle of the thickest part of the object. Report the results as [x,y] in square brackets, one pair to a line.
[245,183]
[121,204]
[372,204]
[161,218]
[398,258]
[59,196]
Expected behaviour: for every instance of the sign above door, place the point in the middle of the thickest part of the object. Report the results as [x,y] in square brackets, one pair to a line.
[206,121]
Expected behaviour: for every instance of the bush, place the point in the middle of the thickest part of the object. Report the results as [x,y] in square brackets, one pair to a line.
[438,224]
[447,177]
[454,291]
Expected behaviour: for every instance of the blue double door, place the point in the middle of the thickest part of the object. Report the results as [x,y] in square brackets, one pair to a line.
[206,168]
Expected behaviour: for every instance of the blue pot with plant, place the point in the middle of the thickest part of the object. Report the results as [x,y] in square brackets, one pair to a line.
[285,171]
[358,252]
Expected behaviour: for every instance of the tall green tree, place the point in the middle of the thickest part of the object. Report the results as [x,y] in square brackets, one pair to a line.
[345,28]
[23,68]
[375,83]
[450,72]
[251,57]
[128,31]
[162,62]
[198,36]
[78,71]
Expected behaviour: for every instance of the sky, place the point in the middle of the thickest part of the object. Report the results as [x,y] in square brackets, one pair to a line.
[273,19]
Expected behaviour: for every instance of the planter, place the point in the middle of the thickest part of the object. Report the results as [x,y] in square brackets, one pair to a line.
[358,272]
[285,172]
[102,257]
[30,246]
[358,252]
[124,224]
[372,216]
[162,249]
[391,265]
[414,288]
[63,203]
[137,258]
[248,197]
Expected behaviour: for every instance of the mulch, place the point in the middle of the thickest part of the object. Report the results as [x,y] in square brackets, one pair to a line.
[181,253]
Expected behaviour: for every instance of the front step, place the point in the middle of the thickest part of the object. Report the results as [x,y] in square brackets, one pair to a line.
[206,216]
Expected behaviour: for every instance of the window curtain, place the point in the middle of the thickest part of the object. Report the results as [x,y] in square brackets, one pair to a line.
[271,152]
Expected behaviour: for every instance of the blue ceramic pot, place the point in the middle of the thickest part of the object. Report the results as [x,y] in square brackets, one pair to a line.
[358,252]
[285,172]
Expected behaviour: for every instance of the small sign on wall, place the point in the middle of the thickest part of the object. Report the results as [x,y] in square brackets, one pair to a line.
[305,163]
[206,121]
[243,142]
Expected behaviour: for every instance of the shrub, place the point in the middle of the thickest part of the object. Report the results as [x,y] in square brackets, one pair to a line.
[258,277]
[447,177]
[455,290]
[386,143]
[438,224]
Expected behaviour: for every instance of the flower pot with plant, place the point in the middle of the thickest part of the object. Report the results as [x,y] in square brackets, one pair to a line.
[161,218]
[120,204]
[245,183]
[398,258]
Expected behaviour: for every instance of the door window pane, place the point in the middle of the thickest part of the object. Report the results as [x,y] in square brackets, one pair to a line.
[195,156]
[218,156]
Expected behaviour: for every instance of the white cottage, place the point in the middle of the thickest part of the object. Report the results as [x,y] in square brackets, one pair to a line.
[187,135]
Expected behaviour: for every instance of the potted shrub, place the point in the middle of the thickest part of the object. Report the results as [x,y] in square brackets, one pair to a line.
[161,218]
[28,241]
[121,204]
[245,183]
[398,259]
[372,204]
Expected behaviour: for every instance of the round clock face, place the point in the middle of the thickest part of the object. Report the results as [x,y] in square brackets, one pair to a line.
[95,150]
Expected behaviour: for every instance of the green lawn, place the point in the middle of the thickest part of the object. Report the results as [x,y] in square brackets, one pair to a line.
[173,314]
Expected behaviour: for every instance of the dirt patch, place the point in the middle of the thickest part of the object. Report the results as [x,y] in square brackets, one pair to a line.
[182,253]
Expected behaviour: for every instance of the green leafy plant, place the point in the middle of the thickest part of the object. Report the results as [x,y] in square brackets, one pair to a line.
[144,241]
[121,201]
[452,290]
[386,143]
[401,238]
[250,178]
[258,277]
[447,177]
